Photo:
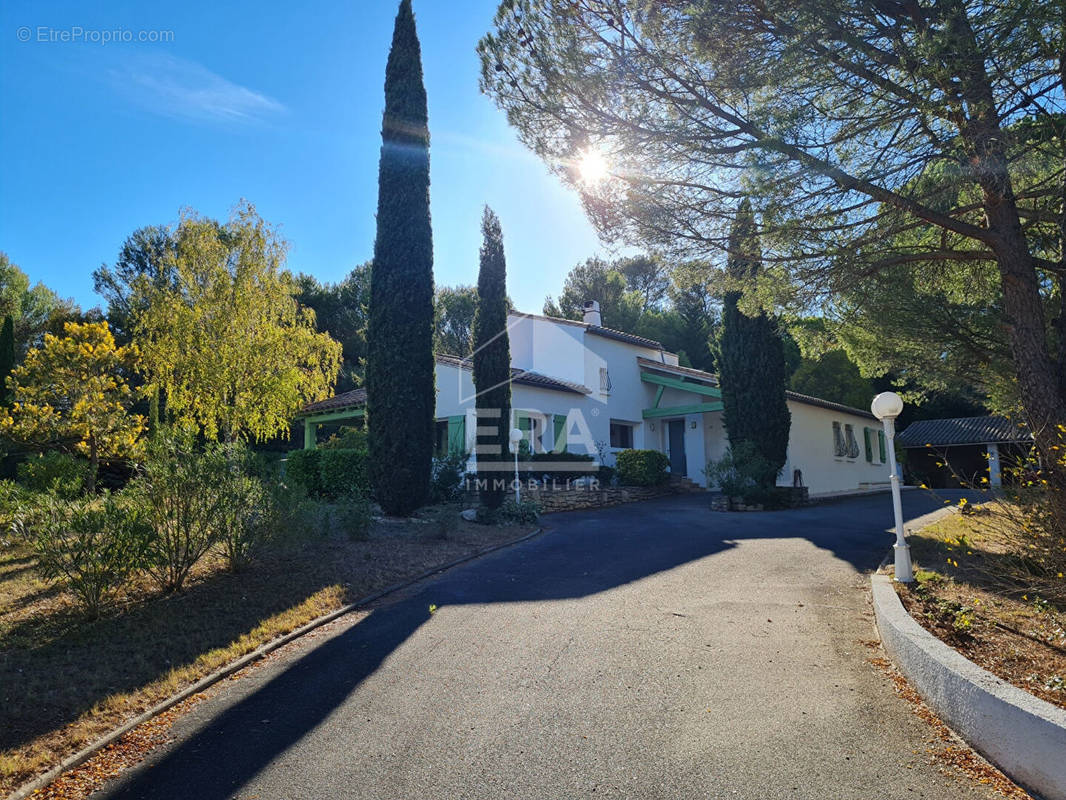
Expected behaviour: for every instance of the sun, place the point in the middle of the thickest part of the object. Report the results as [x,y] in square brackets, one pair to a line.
[592,166]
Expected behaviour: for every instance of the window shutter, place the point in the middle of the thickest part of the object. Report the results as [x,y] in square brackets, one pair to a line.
[868,440]
[456,435]
[840,447]
[559,422]
[881,446]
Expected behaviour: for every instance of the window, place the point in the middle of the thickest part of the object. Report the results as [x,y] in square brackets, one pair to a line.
[559,429]
[868,442]
[840,446]
[853,445]
[605,380]
[881,446]
[621,435]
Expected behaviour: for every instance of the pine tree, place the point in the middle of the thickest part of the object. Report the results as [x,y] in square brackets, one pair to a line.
[492,360]
[401,393]
[7,357]
[751,362]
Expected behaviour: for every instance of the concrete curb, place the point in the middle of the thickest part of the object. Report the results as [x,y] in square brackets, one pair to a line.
[1021,734]
[89,751]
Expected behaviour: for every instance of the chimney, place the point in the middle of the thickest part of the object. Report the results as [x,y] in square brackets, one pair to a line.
[592,313]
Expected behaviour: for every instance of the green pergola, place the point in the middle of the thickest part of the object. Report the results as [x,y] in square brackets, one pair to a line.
[664,382]
[313,420]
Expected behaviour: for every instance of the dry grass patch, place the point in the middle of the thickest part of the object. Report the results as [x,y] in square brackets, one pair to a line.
[65,681]
[977,591]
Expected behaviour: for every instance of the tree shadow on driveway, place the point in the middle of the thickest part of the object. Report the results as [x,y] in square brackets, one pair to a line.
[580,554]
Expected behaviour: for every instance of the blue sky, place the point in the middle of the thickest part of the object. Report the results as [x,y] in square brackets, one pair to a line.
[279,103]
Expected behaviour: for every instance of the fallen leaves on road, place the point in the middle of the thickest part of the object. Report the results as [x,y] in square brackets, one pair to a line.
[948,749]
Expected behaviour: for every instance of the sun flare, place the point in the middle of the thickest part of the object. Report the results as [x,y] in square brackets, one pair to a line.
[592,167]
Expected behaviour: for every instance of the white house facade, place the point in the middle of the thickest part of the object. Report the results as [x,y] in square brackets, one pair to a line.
[578,387]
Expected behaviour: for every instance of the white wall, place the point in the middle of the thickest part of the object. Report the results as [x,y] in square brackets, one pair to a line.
[567,351]
[810,449]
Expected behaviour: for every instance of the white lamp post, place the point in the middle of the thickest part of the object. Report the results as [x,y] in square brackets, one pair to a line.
[516,437]
[886,407]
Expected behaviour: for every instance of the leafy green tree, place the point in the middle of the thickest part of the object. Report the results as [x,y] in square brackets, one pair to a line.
[146,255]
[401,393]
[751,362]
[34,310]
[73,392]
[224,339]
[599,280]
[492,361]
[827,112]
[453,321]
[648,277]
[833,376]
[342,310]
[7,358]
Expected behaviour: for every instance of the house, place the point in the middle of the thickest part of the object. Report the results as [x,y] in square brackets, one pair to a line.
[944,453]
[580,387]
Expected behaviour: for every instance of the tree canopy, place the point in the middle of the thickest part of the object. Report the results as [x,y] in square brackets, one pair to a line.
[73,391]
[644,295]
[869,134]
[342,310]
[34,310]
[455,308]
[224,339]
[147,255]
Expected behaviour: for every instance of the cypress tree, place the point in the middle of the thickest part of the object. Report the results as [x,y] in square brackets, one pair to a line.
[400,385]
[751,362]
[7,358]
[492,361]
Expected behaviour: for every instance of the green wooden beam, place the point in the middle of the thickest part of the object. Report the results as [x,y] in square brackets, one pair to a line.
[334,416]
[677,411]
[658,396]
[678,383]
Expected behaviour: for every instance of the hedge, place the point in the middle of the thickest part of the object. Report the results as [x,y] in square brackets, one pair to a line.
[641,467]
[329,473]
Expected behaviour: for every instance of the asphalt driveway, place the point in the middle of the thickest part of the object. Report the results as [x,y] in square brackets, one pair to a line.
[654,650]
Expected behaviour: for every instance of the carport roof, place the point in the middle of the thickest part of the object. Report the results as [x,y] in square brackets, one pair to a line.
[962,430]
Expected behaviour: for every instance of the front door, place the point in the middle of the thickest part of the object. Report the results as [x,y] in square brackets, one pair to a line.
[677,447]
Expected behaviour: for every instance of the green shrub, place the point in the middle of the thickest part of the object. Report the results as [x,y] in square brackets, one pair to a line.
[184,492]
[346,439]
[89,546]
[13,500]
[328,473]
[443,521]
[54,473]
[447,479]
[343,472]
[739,472]
[641,467]
[244,513]
[353,516]
[301,469]
[510,512]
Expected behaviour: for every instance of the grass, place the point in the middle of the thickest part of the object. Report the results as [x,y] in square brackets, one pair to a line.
[981,590]
[65,681]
